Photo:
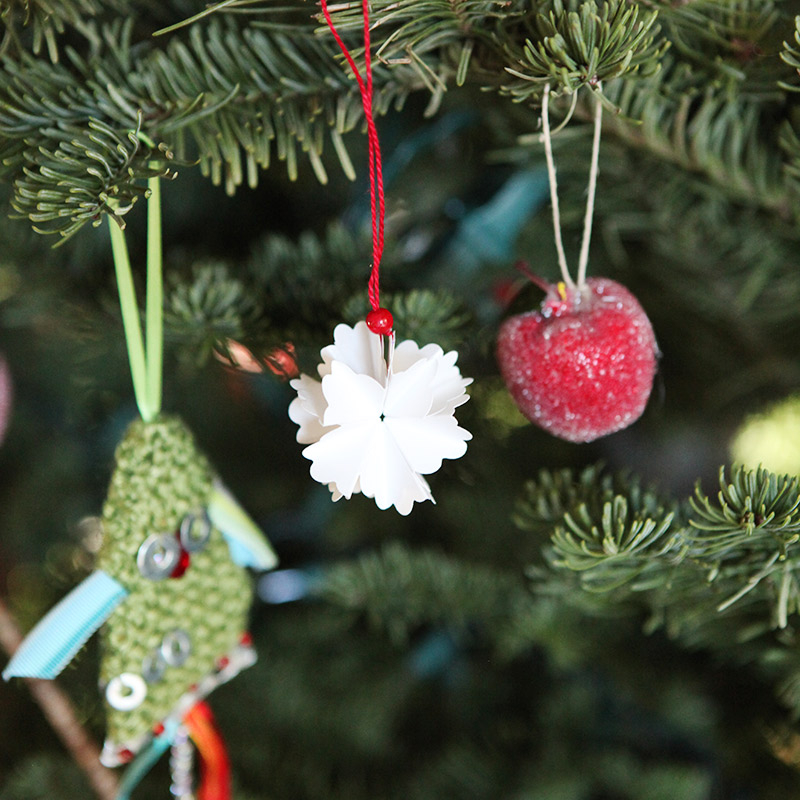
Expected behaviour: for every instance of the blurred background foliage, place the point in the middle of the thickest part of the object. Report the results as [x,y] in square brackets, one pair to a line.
[551,628]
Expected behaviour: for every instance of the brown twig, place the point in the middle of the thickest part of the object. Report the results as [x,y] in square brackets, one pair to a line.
[60,713]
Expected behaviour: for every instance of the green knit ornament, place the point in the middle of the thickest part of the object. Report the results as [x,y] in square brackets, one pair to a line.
[160,477]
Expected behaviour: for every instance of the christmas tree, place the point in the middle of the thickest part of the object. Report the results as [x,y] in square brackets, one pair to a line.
[571,620]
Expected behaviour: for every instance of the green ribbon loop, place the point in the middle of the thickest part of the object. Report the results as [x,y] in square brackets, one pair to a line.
[145,358]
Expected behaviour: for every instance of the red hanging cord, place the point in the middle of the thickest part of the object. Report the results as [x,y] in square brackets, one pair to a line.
[377,206]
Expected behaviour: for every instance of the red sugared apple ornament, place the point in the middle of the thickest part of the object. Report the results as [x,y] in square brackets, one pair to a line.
[582,367]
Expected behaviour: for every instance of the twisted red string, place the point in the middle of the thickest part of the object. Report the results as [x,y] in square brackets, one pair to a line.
[376,200]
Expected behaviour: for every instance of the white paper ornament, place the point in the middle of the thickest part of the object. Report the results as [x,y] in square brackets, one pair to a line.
[376,425]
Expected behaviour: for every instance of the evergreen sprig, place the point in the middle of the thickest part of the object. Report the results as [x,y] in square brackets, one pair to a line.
[236,92]
[556,494]
[400,590]
[732,40]
[704,127]
[230,96]
[742,543]
[42,21]
[436,38]
[422,315]
[607,527]
[210,308]
[620,534]
[95,172]
[305,282]
[580,44]
[713,573]
[755,510]
[791,55]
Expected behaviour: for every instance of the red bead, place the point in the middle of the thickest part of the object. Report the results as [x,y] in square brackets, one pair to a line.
[158,729]
[182,565]
[125,755]
[223,662]
[246,639]
[380,321]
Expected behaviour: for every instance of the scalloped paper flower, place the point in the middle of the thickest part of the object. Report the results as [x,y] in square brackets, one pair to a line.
[377,428]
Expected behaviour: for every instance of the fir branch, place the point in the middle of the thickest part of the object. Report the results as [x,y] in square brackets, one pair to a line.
[547,501]
[583,44]
[435,38]
[791,55]
[732,41]
[307,281]
[422,315]
[713,107]
[727,577]
[201,314]
[229,95]
[754,511]
[62,716]
[606,527]
[44,21]
[728,136]
[583,544]
[95,172]
[400,590]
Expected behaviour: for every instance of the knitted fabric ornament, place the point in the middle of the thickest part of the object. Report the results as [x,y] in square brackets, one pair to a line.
[170,580]
[181,633]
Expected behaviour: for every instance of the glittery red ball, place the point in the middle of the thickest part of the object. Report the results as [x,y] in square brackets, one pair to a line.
[380,320]
[582,366]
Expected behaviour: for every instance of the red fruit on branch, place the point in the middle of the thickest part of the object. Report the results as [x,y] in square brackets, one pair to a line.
[582,366]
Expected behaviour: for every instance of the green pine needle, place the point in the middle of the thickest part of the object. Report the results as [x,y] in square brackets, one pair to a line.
[583,47]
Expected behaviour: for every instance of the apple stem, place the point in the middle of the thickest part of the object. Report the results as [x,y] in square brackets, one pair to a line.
[522,267]
[583,260]
[551,174]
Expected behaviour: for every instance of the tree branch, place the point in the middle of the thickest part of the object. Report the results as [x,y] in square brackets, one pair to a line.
[60,713]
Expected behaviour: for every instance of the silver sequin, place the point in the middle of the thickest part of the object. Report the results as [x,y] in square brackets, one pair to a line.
[158,556]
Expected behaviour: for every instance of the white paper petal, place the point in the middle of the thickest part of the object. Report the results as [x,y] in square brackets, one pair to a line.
[338,456]
[388,478]
[409,393]
[426,442]
[352,399]
[449,388]
[308,409]
[448,385]
[359,348]
[336,495]
[408,352]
